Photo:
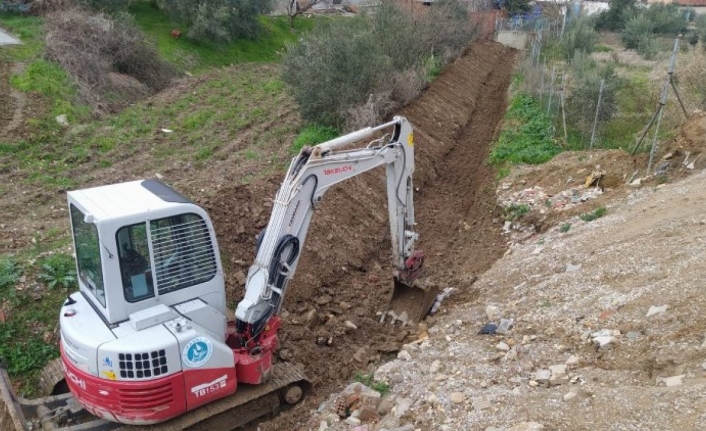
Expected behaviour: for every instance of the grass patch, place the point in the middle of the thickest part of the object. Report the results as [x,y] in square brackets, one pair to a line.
[41,76]
[50,80]
[565,227]
[602,48]
[369,381]
[196,56]
[30,30]
[313,134]
[526,136]
[27,338]
[595,214]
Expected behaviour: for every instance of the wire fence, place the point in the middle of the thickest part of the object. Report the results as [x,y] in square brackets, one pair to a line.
[589,104]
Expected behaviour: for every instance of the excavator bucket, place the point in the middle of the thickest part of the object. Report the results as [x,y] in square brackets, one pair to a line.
[411,302]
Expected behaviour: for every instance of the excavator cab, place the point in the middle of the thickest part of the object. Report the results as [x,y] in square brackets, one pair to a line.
[141,244]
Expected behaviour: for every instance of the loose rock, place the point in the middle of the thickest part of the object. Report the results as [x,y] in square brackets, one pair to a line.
[457,397]
[656,310]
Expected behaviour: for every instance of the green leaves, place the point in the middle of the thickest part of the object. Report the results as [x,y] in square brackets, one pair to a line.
[58,270]
[10,273]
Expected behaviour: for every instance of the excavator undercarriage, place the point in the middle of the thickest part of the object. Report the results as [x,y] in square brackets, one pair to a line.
[62,412]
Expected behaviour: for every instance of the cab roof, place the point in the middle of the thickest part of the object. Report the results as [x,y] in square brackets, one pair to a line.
[126,199]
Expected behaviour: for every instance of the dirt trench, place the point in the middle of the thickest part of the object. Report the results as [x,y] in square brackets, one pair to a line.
[344,273]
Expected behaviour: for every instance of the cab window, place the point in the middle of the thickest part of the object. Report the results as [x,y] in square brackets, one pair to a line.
[135,270]
[88,256]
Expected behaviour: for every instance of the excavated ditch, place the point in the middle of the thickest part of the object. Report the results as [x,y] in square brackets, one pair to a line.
[344,272]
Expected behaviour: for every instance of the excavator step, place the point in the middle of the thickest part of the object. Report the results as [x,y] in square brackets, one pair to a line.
[250,402]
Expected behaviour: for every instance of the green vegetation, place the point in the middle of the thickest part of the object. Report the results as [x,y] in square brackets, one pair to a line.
[218,20]
[515,211]
[313,134]
[615,17]
[595,214]
[527,135]
[58,270]
[30,30]
[40,76]
[369,381]
[353,72]
[580,36]
[10,273]
[50,80]
[29,317]
[200,56]
[565,227]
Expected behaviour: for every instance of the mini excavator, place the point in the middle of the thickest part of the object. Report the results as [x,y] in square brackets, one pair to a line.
[146,339]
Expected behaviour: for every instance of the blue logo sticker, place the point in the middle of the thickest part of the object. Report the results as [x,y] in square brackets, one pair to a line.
[107,362]
[197,352]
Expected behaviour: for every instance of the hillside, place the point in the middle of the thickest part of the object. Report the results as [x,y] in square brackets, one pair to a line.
[607,333]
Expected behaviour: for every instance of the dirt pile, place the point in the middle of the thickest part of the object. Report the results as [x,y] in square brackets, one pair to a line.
[607,333]
[686,151]
[536,198]
[344,277]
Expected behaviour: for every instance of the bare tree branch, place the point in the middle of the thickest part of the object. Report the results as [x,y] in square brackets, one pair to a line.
[295,8]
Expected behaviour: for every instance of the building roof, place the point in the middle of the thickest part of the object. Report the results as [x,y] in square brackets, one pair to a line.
[690,2]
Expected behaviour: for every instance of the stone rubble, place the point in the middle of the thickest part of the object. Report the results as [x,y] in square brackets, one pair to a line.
[583,350]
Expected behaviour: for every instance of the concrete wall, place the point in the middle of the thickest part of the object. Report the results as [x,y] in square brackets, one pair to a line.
[513,39]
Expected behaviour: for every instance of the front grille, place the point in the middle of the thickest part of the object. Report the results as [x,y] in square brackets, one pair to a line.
[145,398]
[142,365]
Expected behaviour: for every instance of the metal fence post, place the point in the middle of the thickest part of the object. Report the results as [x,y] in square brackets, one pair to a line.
[598,110]
[551,91]
[563,109]
[662,102]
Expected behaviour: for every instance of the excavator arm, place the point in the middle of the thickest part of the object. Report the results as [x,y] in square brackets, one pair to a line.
[310,175]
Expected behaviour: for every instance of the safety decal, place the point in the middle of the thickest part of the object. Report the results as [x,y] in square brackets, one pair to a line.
[197,352]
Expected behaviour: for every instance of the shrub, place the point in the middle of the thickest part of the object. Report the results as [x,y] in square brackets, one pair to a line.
[58,270]
[636,29]
[9,273]
[357,70]
[109,58]
[666,19]
[691,77]
[647,47]
[218,20]
[700,23]
[585,89]
[616,16]
[580,37]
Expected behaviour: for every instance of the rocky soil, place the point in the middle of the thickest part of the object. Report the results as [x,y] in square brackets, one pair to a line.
[605,324]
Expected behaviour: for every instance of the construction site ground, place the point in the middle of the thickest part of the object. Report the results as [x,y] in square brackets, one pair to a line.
[559,287]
